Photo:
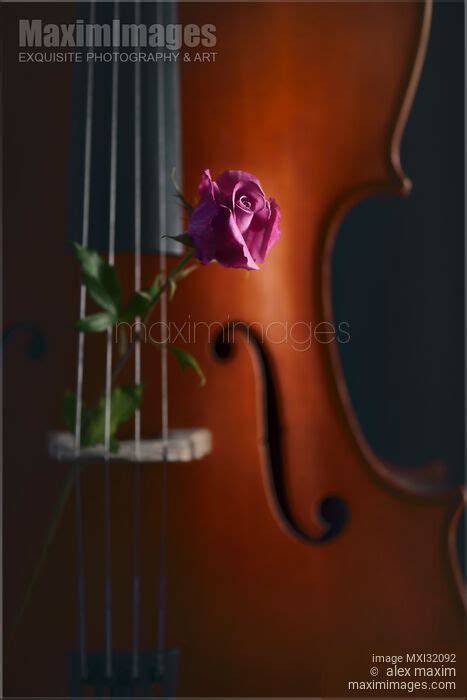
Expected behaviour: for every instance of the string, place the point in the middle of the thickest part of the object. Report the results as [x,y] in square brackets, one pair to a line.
[80,584]
[108,372]
[137,367]
[161,619]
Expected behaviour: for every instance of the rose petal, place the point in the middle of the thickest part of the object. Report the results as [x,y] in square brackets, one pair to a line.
[227,181]
[201,218]
[253,192]
[233,222]
[202,238]
[263,233]
[243,217]
[231,249]
[207,186]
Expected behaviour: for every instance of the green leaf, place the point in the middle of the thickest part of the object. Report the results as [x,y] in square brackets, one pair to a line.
[182,238]
[178,192]
[138,305]
[90,260]
[187,360]
[124,402]
[100,279]
[141,301]
[96,323]
[106,292]
[94,432]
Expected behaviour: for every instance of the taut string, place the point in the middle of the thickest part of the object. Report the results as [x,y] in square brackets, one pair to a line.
[162,221]
[80,363]
[137,368]
[108,370]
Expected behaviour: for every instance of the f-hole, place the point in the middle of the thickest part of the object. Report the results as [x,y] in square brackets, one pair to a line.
[331,511]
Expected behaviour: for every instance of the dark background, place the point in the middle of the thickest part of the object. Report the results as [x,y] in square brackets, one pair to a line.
[398,277]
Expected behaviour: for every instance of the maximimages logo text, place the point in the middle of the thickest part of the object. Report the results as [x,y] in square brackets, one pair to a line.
[167,40]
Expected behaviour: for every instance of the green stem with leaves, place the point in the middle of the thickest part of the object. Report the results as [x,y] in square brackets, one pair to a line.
[119,365]
[75,468]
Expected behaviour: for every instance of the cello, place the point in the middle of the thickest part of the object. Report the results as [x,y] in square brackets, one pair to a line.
[293,553]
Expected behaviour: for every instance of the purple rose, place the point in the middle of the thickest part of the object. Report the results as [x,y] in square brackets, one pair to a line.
[233,223]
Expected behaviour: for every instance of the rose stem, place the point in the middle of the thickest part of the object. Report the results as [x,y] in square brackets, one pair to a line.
[71,475]
[128,352]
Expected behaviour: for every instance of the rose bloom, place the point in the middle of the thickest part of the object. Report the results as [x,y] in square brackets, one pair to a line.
[233,223]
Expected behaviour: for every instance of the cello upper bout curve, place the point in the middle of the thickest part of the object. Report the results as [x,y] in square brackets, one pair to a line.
[408,98]
[428,479]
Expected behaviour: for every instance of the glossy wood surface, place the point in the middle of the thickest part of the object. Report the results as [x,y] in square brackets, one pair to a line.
[312,98]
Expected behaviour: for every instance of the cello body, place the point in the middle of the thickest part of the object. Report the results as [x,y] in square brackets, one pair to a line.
[318,118]
[294,554]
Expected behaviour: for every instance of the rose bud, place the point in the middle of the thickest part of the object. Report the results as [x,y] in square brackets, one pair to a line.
[233,222]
